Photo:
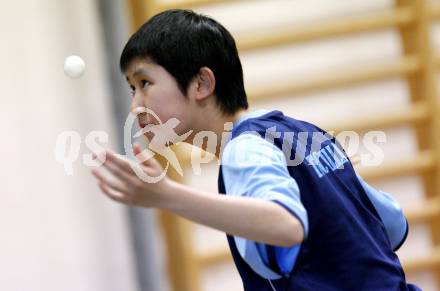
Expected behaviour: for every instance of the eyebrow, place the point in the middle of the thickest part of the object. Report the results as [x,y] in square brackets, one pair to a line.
[140,71]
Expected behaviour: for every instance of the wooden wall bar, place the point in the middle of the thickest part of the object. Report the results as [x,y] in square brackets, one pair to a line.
[418,66]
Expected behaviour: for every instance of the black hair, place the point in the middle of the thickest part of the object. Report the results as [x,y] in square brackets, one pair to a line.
[182,42]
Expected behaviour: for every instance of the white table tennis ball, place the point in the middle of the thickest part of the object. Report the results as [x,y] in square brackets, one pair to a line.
[74,67]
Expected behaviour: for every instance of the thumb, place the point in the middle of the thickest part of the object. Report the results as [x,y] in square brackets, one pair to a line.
[136,149]
[143,156]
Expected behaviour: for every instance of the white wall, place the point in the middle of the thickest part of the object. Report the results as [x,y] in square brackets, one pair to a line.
[57,231]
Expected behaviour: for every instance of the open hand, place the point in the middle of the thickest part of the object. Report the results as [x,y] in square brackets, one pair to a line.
[125,186]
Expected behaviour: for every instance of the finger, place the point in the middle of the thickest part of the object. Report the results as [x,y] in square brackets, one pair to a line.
[113,183]
[130,168]
[136,148]
[137,151]
[119,160]
[111,193]
[120,173]
[101,156]
[143,156]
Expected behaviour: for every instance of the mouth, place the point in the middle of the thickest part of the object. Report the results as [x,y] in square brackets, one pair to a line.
[143,122]
[143,131]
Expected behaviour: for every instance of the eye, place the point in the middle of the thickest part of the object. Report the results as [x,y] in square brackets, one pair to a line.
[145,83]
[132,89]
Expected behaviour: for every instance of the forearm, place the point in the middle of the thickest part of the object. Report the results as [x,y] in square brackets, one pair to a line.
[250,218]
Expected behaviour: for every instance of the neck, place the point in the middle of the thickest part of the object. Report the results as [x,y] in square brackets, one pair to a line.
[218,124]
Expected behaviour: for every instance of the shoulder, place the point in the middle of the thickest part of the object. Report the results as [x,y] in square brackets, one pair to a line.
[258,124]
[251,148]
[274,121]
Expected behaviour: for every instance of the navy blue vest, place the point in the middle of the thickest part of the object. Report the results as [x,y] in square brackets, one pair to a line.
[347,247]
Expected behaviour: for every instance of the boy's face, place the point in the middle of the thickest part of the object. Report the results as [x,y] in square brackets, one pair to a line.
[154,88]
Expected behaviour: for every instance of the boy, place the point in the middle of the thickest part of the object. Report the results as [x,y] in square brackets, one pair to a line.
[306,224]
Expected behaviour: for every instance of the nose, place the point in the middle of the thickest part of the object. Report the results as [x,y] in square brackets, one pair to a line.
[136,103]
[138,109]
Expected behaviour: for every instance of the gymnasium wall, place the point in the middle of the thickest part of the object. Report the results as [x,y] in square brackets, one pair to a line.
[57,231]
[314,59]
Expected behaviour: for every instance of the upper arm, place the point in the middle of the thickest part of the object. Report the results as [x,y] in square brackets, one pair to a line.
[390,213]
[253,167]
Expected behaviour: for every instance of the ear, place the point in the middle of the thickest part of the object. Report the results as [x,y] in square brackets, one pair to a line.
[205,84]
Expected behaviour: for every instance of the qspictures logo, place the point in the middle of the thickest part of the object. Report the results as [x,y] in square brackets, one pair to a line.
[164,135]
[316,149]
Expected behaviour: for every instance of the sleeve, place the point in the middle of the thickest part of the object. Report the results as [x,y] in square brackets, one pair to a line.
[253,167]
[390,213]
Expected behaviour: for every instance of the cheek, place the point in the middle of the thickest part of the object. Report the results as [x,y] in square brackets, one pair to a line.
[153,101]
[169,104]
[162,112]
